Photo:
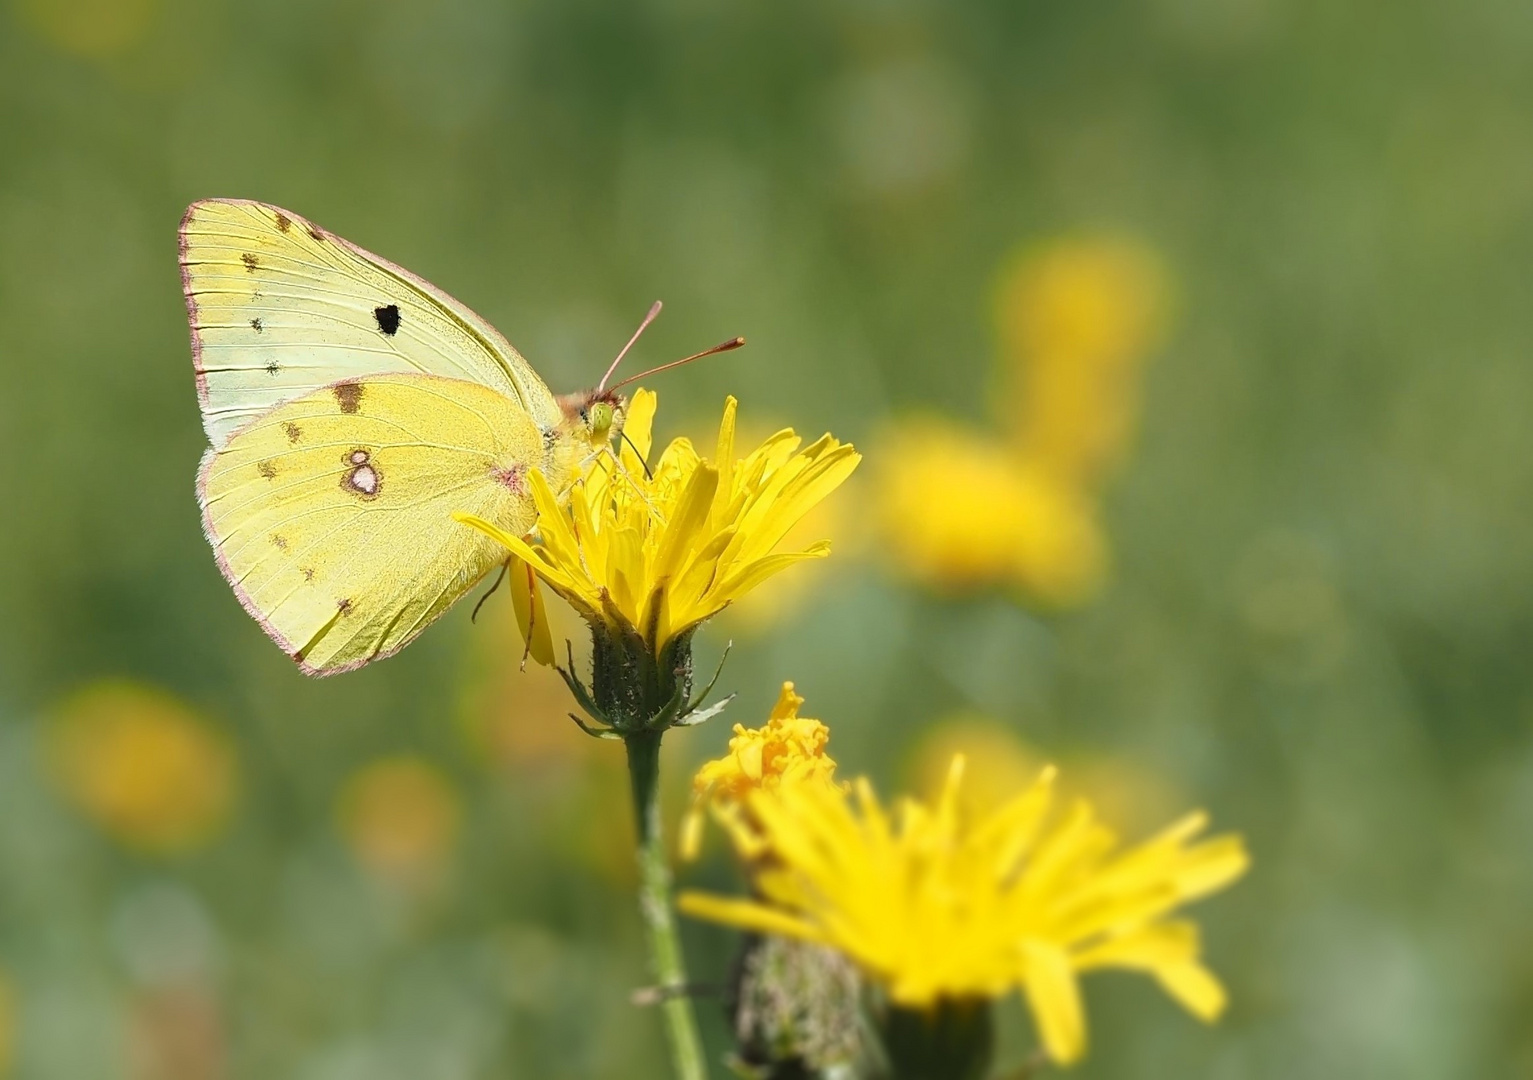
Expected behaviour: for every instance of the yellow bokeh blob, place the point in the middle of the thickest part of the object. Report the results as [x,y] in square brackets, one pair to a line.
[1076,320]
[400,817]
[95,29]
[143,766]
[957,511]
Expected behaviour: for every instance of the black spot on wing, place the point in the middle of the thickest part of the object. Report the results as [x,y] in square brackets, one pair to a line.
[257,325]
[294,432]
[250,261]
[284,223]
[272,367]
[267,469]
[388,319]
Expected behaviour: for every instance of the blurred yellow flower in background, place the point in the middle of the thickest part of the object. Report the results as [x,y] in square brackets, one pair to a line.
[400,817]
[961,509]
[958,511]
[143,766]
[91,28]
[1076,320]
[653,553]
[940,906]
[787,749]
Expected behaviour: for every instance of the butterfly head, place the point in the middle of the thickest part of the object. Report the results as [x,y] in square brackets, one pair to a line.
[595,418]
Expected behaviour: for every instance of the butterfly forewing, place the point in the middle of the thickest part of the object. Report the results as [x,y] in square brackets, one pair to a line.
[280,308]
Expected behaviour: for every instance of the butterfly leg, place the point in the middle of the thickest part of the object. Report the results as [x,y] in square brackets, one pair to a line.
[498,579]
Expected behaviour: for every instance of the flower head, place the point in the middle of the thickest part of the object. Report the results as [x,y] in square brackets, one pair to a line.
[652,551]
[939,909]
[958,511]
[787,749]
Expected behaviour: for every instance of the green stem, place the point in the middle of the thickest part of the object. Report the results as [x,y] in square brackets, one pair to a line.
[655,907]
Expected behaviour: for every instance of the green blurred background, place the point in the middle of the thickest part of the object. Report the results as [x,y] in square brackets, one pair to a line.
[1316,624]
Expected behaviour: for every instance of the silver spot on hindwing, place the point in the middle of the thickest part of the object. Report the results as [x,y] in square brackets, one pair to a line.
[362,477]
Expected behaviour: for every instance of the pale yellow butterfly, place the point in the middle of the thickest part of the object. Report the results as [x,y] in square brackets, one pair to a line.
[352,409]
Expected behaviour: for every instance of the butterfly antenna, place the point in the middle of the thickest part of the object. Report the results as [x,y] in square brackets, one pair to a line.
[654,310]
[725,346]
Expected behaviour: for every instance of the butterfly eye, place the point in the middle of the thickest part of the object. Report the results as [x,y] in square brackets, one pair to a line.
[601,420]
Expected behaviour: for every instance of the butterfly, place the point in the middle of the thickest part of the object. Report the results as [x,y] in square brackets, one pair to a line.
[352,408]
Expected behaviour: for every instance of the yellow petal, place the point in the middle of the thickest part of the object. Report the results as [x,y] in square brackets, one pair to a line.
[1213,865]
[1055,999]
[724,459]
[531,615]
[771,519]
[1195,988]
[680,533]
[514,544]
[691,832]
[554,529]
[787,705]
[1144,950]
[637,424]
[750,760]
[745,914]
[690,587]
[743,581]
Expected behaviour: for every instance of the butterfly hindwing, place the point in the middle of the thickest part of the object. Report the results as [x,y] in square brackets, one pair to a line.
[280,308]
[331,514]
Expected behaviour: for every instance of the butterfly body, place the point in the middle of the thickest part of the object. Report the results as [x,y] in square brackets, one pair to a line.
[352,408]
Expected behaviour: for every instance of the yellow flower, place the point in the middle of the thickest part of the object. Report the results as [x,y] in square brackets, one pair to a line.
[143,766]
[789,748]
[957,511]
[653,554]
[938,909]
[1076,319]
[400,817]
